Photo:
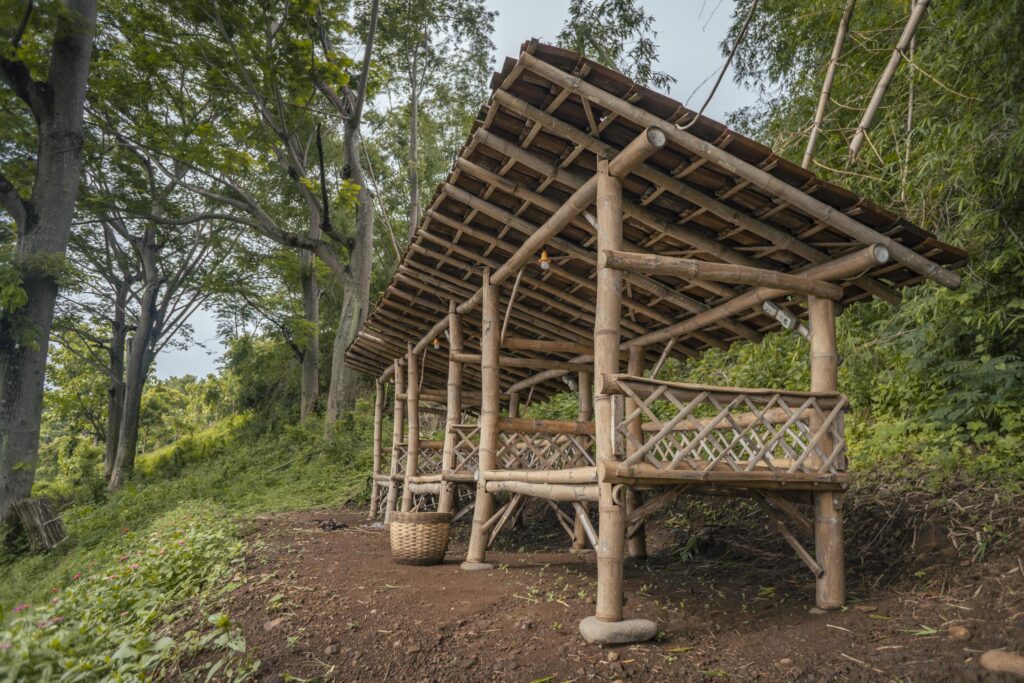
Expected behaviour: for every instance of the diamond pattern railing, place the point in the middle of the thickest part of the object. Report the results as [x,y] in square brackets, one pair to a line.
[544,451]
[703,428]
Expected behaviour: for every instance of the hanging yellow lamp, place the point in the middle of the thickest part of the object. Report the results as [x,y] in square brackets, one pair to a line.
[544,260]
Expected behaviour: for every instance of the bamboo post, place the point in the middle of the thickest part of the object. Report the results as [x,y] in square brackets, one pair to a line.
[447,498]
[378,427]
[828,519]
[513,404]
[412,443]
[585,388]
[611,539]
[490,349]
[397,431]
[916,15]
[826,87]
[634,499]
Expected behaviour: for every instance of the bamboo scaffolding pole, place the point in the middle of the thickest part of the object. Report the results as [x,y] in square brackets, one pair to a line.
[697,471]
[378,427]
[689,269]
[611,522]
[645,144]
[421,488]
[572,475]
[916,16]
[826,86]
[637,540]
[489,416]
[585,392]
[513,405]
[446,499]
[762,179]
[706,202]
[828,517]
[547,346]
[397,432]
[845,266]
[773,416]
[412,447]
[556,492]
[530,426]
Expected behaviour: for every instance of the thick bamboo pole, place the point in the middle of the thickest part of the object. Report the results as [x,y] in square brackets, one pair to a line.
[916,15]
[846,266]
[528,426]
[453,417]
[636,152]
[637,543]
[611,540]
[585,390]
[513,405]
[490,346]
[689,269]
[573,475]
[412,445]
[546,346]
[378,427]
[828,517]
[826,87]
[762,179]
[397,432]
[565,493]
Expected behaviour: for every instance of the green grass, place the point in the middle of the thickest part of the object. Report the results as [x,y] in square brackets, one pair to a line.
[223,475]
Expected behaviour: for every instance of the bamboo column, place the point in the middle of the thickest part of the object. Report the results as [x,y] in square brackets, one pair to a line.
[513,404]
[585,388]
[490,351]
[611,539]
[828,518]
[378,427]
[398,429]
[447,498]
[412,443]
[634,499]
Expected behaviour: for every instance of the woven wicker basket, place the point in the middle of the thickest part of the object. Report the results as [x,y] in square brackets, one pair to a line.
[419,537]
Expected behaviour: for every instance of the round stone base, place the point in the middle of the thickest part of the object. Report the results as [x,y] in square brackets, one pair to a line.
[475,566]
[622,632]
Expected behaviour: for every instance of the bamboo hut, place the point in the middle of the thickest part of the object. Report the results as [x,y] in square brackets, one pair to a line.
[582,238]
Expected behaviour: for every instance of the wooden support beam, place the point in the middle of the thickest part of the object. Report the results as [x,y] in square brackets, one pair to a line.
[555,492]
[378,426]
[572,475]
[412,447]
[645,144]
[828,516]
[846,266]
[397,433]
[636,542]
[528,426]
[733,164]
[689,269]
[446,500]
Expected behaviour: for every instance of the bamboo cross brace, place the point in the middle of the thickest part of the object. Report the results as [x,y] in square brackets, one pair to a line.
[822,431]
[640,452]
[636,518]
[780,526]
[509,510]
[588,526]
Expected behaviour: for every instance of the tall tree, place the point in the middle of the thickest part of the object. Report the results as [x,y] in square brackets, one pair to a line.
[617,33]
[44,66]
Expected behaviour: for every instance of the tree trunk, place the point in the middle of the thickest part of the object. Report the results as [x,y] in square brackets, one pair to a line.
[356,298]
[311,311]
[414,156]
[44,225]
[115,390]
[140,357]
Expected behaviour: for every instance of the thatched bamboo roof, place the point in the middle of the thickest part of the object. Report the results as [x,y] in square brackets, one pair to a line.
[710,194]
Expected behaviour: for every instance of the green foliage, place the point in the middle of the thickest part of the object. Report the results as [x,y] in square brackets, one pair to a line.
[617,33]
[109,618]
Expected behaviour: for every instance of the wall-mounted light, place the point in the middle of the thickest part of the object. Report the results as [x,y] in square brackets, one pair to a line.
[787,320]
[544,260]
[436,344]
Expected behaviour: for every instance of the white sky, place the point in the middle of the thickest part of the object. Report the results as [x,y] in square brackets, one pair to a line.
[691,56]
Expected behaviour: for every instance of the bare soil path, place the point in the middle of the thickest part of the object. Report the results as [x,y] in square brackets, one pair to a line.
[332,606]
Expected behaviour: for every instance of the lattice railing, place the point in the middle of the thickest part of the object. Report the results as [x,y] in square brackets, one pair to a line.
[400,454]
[467,447]
[704,428]
[429,460]
[544,451]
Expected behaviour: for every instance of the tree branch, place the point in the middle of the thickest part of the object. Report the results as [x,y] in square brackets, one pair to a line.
[13,202]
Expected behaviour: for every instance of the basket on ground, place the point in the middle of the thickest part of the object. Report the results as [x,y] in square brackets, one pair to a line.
[419,537]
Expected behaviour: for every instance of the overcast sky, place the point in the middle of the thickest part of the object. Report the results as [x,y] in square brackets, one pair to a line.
[691,55]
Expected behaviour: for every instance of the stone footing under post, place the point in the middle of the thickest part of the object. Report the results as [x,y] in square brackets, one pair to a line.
[475,566]
[623,632]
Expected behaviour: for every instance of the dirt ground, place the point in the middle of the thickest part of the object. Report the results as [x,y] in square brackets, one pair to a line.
[332,606]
